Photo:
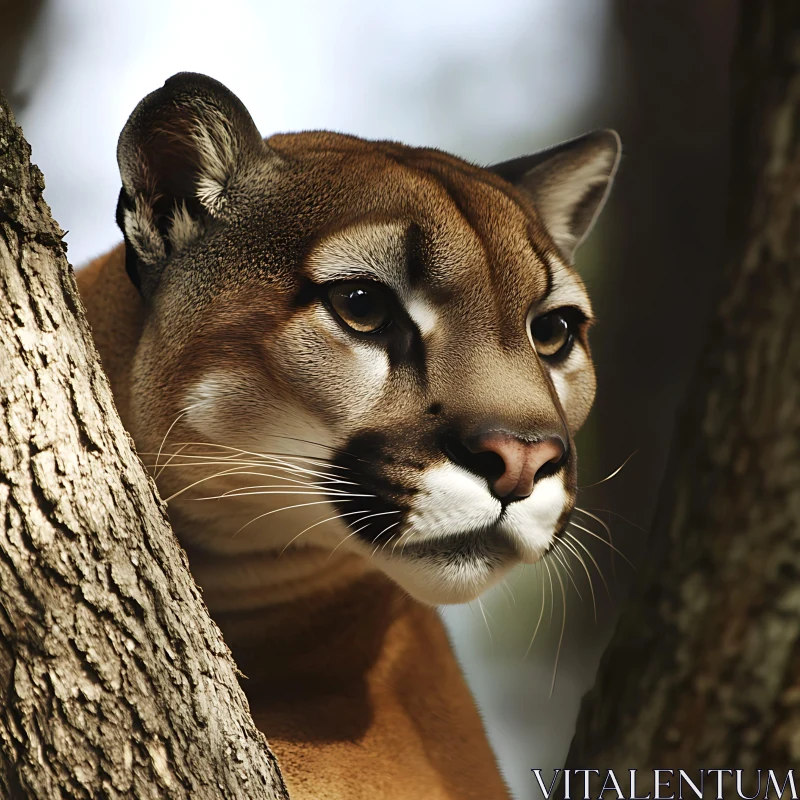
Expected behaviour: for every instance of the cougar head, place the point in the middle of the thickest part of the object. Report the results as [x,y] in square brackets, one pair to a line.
[358,345]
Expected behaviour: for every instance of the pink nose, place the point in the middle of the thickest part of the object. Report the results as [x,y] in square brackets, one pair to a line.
[522,461]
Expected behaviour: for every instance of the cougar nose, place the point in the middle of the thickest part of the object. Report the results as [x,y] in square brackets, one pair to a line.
[510,464]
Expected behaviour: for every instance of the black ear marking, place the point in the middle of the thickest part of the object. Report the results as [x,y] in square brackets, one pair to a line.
[183,148]
[123,204]
[569,184]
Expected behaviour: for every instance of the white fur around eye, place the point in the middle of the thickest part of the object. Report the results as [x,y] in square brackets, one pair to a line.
[422,313]
[561,386]
[565,374]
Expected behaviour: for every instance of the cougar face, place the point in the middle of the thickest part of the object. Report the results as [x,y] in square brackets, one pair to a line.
[358,346]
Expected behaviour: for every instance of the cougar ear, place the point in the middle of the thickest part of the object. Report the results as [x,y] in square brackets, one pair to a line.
[568,183]
[180,155]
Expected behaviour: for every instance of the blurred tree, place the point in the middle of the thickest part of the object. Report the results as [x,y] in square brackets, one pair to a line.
[114,681]
[17,18]
[712,632]
[668,94]
[654,272]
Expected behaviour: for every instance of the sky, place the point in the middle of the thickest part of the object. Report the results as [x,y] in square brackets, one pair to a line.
[485,80]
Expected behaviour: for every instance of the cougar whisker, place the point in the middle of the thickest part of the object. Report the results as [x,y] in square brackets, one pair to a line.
[266,454]
[169,430]
[315,524]
[387,528]
[315,444]
[345,538]
[158,470]
[486,621]
[319,485]
[597,519]
[221,474]
[563,628]
[607,530]
[577,554]
[612,475]
[323,478]
[601,539]
[289,508]
[508,593]
[552,591]
[230,472]
[588,552]
[586,510]
[391,538]
[538,622]
[408,535]
[561,558]
[292,490]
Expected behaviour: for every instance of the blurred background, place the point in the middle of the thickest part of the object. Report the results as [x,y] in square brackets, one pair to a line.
[486,81]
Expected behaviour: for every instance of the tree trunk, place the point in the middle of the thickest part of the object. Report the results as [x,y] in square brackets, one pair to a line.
[704,668]
[667,227]
[114,681]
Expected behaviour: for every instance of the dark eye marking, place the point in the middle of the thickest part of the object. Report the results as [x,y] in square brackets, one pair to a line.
[370,311]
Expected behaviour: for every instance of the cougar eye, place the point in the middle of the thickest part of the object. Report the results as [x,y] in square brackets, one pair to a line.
[361,306]
[552,334]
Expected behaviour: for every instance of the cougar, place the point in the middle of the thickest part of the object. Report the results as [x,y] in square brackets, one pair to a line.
[355,370]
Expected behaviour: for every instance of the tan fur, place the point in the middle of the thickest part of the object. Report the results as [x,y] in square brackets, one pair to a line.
[116,315]
[355,686]
[328,482]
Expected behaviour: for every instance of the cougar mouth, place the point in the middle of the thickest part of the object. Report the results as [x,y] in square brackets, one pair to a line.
[453,569]
[488,544]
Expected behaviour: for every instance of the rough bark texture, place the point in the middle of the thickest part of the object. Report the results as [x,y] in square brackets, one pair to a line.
[704,668]
[114,681]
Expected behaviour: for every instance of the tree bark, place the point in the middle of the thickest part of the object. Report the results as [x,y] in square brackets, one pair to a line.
[114,681]
[704,668]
